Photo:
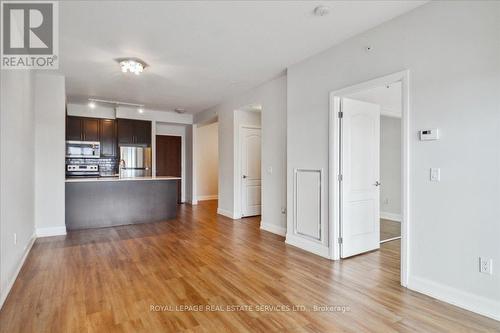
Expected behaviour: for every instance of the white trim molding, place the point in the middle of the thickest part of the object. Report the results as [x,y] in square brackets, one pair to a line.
[208,197]
[227,213]
[478,304]
[52,231]
[390,216]
[275,229]
[10,283]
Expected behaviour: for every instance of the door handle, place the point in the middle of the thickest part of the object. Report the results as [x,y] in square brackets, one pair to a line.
[244,176]
[377,183]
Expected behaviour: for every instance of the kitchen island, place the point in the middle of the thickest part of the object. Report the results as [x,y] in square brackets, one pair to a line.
[112,201]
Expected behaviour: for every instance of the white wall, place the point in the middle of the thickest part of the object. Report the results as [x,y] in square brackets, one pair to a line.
[272,96]
[207,161]
[390,167]
[17,178]
[50,113]
[451,49]
[175,130]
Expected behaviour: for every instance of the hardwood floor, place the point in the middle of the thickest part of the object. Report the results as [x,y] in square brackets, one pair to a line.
[107,280]
[389,229]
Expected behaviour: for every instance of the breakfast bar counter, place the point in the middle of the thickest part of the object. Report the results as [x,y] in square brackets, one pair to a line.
[112,201]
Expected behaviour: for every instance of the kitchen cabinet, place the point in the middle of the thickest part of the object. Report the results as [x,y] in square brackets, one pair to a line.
[73,128]
[137,132]
[143,132]
[82,129]
[90,129]
[107,134]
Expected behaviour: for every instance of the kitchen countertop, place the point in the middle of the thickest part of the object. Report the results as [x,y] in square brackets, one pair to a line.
[118,179]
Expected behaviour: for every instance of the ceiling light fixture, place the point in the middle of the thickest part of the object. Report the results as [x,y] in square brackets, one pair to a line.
[132,65]
[140,110]
[91,105]
[180,110]
[321,10]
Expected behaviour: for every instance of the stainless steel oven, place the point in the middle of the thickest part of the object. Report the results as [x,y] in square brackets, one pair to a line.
[83,149]
[82,170]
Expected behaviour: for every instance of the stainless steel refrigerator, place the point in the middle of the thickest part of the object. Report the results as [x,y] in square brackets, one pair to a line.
[135,161]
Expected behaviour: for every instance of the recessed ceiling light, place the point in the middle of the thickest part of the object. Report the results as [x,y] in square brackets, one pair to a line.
[92,105]
[180,110]
[321,10]
[132,65]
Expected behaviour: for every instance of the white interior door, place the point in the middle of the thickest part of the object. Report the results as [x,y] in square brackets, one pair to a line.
[250,171]
[360,187]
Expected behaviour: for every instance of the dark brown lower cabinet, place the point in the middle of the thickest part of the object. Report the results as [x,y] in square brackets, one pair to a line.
[168,158]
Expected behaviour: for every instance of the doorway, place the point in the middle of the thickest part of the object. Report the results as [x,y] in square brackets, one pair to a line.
[251,180]
[247,161]
[169,159]
[207,160]
[357,113]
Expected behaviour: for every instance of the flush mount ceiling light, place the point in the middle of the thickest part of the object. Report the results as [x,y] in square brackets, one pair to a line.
[180,110]
[92,104]
[132,65]
[321,11]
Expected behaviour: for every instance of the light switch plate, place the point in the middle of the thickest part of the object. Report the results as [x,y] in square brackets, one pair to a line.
[435,174]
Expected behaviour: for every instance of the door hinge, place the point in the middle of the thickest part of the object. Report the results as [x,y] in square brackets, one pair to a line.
[340,178]
[341,114]
[340,240]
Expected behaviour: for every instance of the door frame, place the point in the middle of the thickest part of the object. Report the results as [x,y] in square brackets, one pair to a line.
[240,169]
[335,195]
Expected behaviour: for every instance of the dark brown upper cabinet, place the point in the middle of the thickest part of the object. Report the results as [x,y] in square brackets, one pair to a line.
[74,128]
[82,129]
[90,129]
[107,131]
[137,132]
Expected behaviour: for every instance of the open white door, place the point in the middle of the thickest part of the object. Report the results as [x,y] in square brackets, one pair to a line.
[250,171]
[360,187]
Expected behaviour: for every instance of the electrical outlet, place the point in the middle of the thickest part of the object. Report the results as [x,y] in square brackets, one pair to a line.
[485,265]
[15,239]
[386,201]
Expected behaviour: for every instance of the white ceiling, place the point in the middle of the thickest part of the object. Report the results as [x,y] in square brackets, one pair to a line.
[199,52]
[388,97]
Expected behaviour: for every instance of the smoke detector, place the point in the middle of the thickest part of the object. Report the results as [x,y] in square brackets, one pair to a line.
[321,11]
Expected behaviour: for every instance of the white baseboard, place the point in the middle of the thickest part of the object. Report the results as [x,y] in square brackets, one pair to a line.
[478,304]
[310,246]
[275,229]
[52,231]
[10,284]
[208,197]
[227,213]
[390,216]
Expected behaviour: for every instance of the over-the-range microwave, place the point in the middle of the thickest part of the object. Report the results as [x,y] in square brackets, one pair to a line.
[83,149]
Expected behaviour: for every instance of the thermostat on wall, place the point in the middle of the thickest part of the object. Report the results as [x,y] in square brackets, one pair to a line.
[429,134]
